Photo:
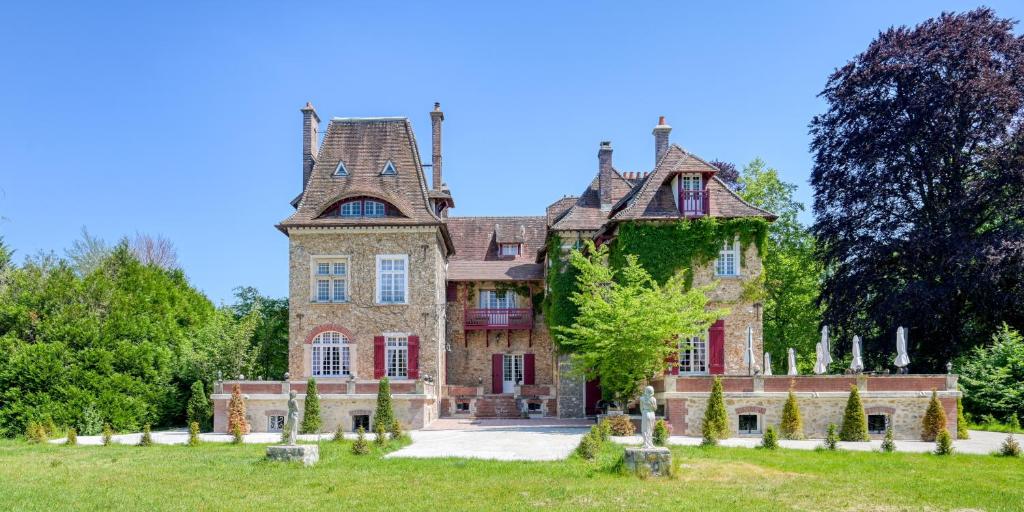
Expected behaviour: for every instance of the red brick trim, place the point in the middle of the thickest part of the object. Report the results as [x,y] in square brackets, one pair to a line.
[329,327]
[890,411]
[750,409]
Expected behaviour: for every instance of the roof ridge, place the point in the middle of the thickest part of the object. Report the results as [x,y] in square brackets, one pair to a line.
[369,119]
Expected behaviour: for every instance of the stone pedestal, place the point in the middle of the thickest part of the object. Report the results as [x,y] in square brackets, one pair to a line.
[649,461]
[307,454]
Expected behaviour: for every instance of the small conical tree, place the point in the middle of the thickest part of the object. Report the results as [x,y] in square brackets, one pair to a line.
[715,415]
[193,433]
[1010,447]
[660,434]
[380,435]
[831,440]
[311,410]
[855,423]
[339,434]
[943,443]
[770,440]
[72,438]
[237,424]
[396,430]
[709,434]
[108,434]
[792,425]
[198,409]
[384,415]
[888,443]
[934,419]
[147,437]
[359,446]
[961,422]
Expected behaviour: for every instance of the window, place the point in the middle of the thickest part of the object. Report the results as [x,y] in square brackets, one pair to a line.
[392,278]
[340,169]
[352,209]
[497,299]
[330,279]
[877,423]
[462,407]
[508,249]
[373,208]
[533,407]
[361,420]
[275,423]
[360,207]
[331,356]
[748,424]
[728,262]
[396,354]
[389,169]
[693,355]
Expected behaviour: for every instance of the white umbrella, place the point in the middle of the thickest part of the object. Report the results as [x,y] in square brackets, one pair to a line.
[825,347]
[857,364]
[902,359]
[819,361]
[749,356]
[767,363]
[792,362]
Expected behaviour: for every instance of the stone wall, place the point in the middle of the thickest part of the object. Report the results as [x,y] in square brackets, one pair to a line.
[571,388]
[413,411]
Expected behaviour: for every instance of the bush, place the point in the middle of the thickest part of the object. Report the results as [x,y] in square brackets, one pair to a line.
[770,440]
[603,429]
[72,437]
[339,434]
[855,423]
[91,422]
[237,435]
[360,446]
[384,416]
[715,415]
[709,434]
[311,410]
[961,423]
[237,424]
[147,437]
[193,433]
[990,375]
[1013,423]
[792,426]
[588,447]
[831,439]
[396,430]
[380,435]
[198,409]
[661,433]
[620,425]
[943,443]
[35,432]
[1010,447]
[934,419]
[108,434]
[50,427]
[888,443]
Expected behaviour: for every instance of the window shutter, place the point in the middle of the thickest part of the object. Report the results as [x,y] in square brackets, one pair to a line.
[452,292]
[414,357]
[378,357]
[716,348]
[672,361]
[528,369]
[496,380]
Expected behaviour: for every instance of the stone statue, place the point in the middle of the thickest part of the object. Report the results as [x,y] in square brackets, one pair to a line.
[292,424]
[648,404]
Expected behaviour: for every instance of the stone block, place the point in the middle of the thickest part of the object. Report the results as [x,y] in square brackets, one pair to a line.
[307,454]
[649,461]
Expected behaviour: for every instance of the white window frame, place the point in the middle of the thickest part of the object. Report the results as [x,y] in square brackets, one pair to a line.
[380,274]
[693,355]
[722,261]
[332,278]
[389,169]
[325,343]
[396,345]
[503,249]
[355,209]
[340,170]
[376,205]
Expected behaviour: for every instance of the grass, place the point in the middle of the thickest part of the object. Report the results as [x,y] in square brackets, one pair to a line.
[236,478]
[994,426]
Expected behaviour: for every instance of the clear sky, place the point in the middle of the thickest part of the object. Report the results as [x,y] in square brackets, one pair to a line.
[183,119]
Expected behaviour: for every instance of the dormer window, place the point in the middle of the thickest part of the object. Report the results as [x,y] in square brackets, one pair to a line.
[352,209]
[356,207]
[508,249]
[389,169]
[373,208]
[340,169]
[693,199]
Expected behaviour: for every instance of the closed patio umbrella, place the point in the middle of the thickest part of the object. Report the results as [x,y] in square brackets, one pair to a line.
[826,349]
[856,364]
[767,363]
[792,362]
[819,360]
[749,356]
[902,359]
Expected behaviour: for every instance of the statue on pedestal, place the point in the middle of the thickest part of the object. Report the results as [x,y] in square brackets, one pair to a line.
[648,404]
[292,424]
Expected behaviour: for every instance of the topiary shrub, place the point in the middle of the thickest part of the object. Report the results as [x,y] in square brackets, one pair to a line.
[831,439]
[311,410]
[380,435]
[339,434]
[770,439]
[198,408]
[661,433]
[855,422]
[603,429]
[588,447]
[147,437]
[193,433]
[1010,447]
[934,419]
[943,443]
[384,416]
[961,422]
[620,425]
[360,446]
[714,414]
[395,430]
[108,434]
[888,443]
[236,413]
[709,434]
[72,437]
[792,425]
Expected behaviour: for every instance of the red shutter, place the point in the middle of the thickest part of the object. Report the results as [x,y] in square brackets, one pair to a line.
[528,370]
[672,361]
[414,357]
[496,374]
[452,292]
[378,357]
[716,348]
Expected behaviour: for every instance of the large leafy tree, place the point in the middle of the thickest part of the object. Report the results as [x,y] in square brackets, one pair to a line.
[992,377]
[791,272]
[918,184]
[627,323]
[270,333]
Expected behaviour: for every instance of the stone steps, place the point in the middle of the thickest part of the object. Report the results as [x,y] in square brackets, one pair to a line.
[497,407]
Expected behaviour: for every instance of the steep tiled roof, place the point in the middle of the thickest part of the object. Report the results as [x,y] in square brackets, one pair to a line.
[509,270]
[477,238]
[586,214]
[558,208]
[365,145]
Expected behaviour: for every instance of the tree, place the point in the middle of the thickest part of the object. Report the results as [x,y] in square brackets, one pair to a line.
[855,423]
[627,323]
[238,425]
[360,446]
[961,422]
[934,420]
[715,419]
[792,274]
[943,443]
[888,443]
[311,410]
[87,253]
[792,424]
[991,376]
[269,339]
[384,416]
[917,182]
[193,433]
[831,440]
[728,174]
[770,438]
[147,436]
[198,410]
[154,250]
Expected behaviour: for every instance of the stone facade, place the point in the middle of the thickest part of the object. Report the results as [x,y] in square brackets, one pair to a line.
[743,312]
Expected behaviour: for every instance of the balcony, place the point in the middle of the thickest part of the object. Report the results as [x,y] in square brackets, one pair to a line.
[694,203]
[482,319]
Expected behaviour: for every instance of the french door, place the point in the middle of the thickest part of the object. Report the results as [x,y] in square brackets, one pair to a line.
[691,197]
[512,372]
[497,303]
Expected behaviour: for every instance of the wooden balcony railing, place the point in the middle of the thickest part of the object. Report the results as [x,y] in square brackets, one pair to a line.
[479,319]
[694,203]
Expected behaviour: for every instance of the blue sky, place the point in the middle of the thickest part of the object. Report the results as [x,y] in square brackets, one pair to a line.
[182,119]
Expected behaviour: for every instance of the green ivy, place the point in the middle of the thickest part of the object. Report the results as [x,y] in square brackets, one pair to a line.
[558,310]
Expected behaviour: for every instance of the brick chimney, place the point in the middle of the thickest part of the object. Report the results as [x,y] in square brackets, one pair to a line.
[605,174]
[436,116]
[310,129]
[660,139]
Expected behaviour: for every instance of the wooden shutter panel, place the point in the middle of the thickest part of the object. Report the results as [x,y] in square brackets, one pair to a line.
[378,357]
[716,348]
[414,357]
[528,369]
[496,375]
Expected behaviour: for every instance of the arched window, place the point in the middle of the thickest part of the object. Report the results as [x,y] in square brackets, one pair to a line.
[331,355]
[361,207]
[373,208]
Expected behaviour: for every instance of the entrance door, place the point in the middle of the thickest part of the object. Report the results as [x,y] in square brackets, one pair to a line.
[691,198]
[512,372]
[592,394]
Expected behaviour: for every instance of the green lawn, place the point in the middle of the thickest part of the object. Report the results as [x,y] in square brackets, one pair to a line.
[236,478]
